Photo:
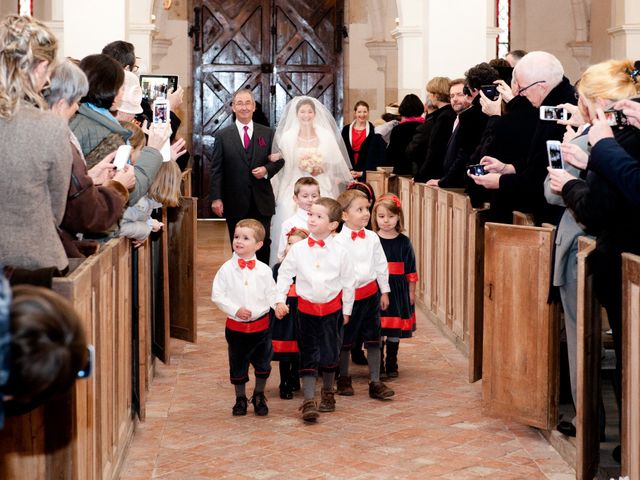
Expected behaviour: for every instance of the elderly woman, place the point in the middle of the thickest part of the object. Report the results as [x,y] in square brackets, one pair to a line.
[94,124]
[94,201]
[36,160]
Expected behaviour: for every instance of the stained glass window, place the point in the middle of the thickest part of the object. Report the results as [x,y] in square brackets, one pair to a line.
[25,7]
[503,21]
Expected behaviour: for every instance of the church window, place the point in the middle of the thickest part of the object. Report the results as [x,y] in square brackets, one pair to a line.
[25,7]
[503,22]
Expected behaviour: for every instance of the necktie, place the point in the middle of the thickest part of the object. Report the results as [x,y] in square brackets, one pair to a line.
[355,235]
[313,242]
[246,138]
[250,264]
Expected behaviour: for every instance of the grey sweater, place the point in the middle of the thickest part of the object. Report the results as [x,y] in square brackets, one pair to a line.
[35,166]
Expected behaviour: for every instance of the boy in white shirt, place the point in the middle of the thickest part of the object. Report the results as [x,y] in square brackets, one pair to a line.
[372,292]
[305,191]
[325,284]
[244,289]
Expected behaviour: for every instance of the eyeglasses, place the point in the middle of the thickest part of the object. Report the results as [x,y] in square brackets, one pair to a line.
[244,104]
[135,68]
[530,85]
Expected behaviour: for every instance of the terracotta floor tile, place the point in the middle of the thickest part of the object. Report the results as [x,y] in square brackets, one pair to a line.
[432,428]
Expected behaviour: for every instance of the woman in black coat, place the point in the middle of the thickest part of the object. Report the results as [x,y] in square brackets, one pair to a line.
[365,147]
[411,110]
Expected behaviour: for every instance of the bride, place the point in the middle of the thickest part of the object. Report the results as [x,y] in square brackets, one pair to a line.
[309,141]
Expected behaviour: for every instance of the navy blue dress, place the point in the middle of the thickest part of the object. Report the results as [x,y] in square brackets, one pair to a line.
[399,319]
[284,332]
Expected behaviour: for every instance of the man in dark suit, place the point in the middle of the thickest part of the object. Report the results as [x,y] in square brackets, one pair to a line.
[241,171]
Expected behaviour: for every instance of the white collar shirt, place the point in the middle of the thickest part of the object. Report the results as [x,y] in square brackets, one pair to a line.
[235,287]
[368,257]
[299,220]
[240,126]
[321,273]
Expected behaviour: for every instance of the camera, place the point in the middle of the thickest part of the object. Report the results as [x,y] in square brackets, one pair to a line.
[615,118]
[554,153]
[476,170]
[490,91]
[553,114]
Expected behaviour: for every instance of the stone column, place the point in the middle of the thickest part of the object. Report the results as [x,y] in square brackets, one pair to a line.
[625,30]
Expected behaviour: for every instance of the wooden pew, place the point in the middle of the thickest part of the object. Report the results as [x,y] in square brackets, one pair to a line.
[630,464]
[405,186]
[520,350]
[379,181]
[588,351]
[524,219]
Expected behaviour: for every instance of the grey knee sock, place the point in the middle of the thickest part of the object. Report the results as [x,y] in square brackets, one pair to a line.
[373,359]
[309,387]
[241,390]
[260,384]
[393,339]
[327,380]
[344,363]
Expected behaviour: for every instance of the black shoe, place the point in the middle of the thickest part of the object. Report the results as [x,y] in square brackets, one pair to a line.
[259,404]
[616,454]
[286,392]
[295,384]
[240,408]
[566,428]
[358,357]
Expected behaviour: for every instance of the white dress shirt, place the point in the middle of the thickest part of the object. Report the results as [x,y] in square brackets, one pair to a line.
[368,258]
[320,273]
[235,287]
[299,220]
[240,126]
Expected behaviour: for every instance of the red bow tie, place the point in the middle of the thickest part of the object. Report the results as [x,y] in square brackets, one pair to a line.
[250,264]
[355,235]
[313,242]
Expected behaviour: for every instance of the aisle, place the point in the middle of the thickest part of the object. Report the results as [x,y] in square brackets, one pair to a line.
[433,428]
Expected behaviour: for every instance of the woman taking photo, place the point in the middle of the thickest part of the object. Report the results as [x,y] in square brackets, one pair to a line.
[36,158]
[365,147]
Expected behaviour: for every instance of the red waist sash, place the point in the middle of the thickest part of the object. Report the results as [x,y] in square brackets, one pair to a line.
[248,327]
[320,309]
[367,290]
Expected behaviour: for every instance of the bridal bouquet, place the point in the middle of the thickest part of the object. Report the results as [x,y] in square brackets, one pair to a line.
[311,161]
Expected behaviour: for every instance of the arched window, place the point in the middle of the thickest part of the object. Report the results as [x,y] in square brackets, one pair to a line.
[25,7]
[503,22]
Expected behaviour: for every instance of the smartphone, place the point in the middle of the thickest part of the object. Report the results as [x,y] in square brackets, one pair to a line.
[157,86]
[122,156]
[554,152]
[161,111]
[490,91]
[553,114]
[616,118]
[476,170]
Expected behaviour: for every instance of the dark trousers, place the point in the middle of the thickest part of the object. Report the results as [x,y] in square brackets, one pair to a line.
[319,341]
[263,253]
[248,349]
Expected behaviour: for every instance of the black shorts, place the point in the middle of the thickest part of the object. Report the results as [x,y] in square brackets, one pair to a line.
[245,348]
[364,323]
[319,341]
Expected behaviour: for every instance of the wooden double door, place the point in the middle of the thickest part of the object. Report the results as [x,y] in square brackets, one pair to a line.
[278,49]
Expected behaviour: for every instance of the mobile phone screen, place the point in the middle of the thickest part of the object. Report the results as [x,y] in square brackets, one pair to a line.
[555,155]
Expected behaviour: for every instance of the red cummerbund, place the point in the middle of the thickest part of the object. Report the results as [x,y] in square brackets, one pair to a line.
[320,309]
[248,327]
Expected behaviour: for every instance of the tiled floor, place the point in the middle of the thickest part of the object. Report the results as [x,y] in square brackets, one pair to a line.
[433,427]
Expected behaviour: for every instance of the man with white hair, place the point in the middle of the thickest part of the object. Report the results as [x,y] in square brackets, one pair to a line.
[539,77]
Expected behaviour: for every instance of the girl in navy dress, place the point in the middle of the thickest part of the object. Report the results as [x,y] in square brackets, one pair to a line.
[398,320]
[284,333]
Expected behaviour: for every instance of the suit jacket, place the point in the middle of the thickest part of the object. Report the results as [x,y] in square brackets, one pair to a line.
[372,151]
[231,165]
[400,137]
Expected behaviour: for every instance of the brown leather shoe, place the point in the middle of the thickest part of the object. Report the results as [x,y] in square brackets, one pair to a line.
[344,386]
[309,411]
[327,401]
[380,391]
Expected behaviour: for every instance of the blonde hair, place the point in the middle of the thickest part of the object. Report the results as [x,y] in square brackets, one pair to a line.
[298,232]
[391,203]
[254,225]
[165,188]
[137,139]
[346,198]
[24,44]
[610,80]
[440,87]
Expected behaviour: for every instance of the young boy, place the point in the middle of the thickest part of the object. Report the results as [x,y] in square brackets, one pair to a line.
[372,291]
[305,191]
[324,275]
[244,289]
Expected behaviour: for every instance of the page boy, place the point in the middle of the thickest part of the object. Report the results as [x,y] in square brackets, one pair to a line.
[371,295]
[305,191]
[244,289]
[325,284]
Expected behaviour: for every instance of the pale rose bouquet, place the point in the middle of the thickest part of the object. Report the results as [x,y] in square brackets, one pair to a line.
[311,161]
